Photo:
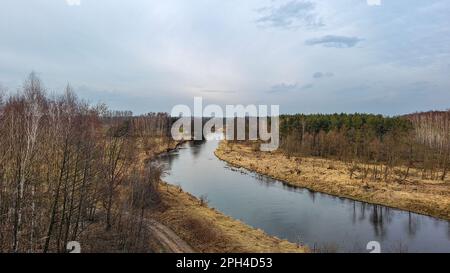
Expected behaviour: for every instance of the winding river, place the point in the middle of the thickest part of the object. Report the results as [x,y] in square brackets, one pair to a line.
[321,221]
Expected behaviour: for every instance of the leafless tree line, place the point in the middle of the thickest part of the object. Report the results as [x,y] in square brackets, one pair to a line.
[432,129]
[62,166]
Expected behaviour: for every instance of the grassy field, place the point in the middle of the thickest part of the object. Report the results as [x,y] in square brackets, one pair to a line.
[429,197]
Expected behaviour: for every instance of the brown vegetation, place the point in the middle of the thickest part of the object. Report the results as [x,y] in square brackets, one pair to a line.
[208,230]
[420,141]
[63,167]
[415,193]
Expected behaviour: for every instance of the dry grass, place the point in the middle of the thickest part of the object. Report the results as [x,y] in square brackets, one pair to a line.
[414,194]
[150,147]
[208,230]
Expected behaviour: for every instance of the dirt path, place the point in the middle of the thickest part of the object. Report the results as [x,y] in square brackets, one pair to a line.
[166,239]
[169,241]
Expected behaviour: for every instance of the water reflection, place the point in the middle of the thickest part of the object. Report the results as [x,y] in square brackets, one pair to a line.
[195,147]
[413,225]
[312,194]
[448,231]
[292,213]
[379,216]
[377,220]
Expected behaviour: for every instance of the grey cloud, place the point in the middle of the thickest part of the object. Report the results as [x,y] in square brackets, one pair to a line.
[422,87]
[334,41]
[169,51]
[218,91]
[306,86]
[122,100]
[292,14]
[283,87]
[320,75]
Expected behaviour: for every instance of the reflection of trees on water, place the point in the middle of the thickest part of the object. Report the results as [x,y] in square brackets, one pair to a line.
[260,178]
[196,147]
[378,217]
[269,181]
[362,216]
[413,225]
[264,180]
[166,160]
[312,194]
[448,230]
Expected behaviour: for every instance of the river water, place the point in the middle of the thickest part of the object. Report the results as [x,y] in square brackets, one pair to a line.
[321,221]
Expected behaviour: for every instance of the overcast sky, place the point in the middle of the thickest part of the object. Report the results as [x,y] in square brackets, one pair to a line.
[306,56]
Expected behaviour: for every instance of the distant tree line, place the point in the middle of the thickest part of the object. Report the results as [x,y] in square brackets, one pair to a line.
[419,140]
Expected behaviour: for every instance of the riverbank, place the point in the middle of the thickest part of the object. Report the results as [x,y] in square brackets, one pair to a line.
[207,230]
[203,228]
[418,195]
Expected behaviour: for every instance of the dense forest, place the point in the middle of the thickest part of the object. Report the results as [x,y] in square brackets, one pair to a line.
[420,140]
[68,169]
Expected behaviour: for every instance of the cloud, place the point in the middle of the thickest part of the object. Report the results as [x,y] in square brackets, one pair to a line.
[283,87]
[334,41]
[320,75]
[73,2]
[292,14]
[160,58]
[374,2]
[218,91]
[306,86]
